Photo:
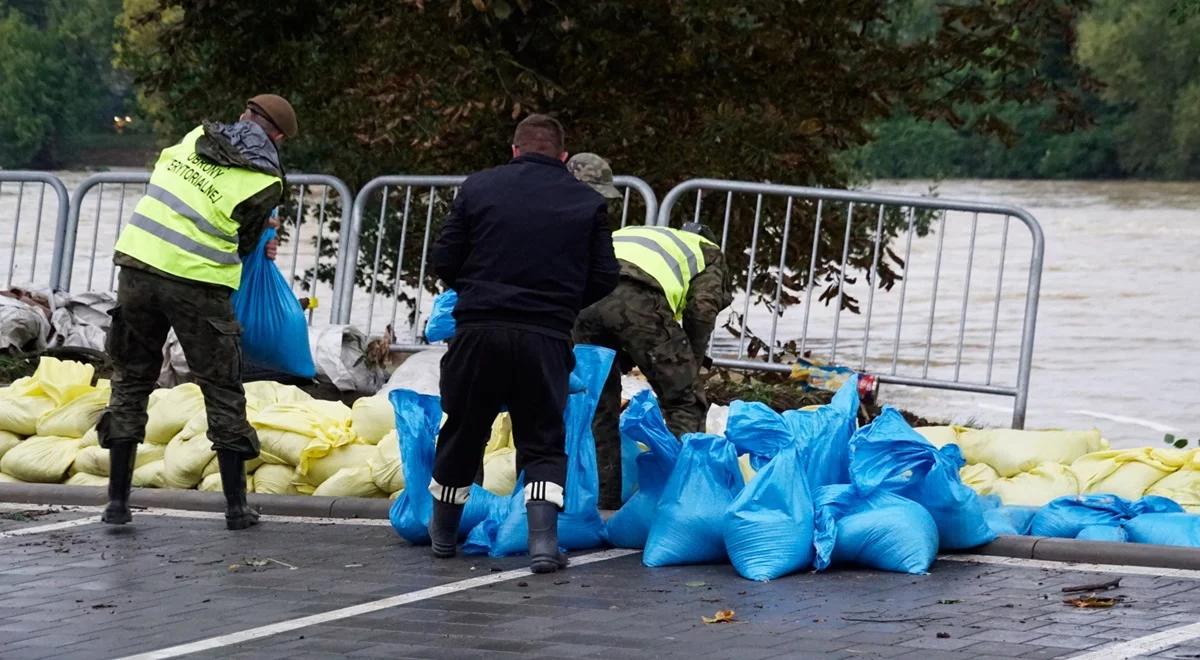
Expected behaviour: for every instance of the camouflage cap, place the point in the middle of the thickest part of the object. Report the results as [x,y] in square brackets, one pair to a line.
[594,171]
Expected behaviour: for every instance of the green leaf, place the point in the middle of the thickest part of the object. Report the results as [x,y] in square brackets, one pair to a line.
[1169,438]
[1181,443]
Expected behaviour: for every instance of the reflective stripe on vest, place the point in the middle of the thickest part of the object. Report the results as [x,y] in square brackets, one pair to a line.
[184,224]
[670,256]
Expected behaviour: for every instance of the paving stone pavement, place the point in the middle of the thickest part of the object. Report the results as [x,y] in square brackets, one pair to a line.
[96,591]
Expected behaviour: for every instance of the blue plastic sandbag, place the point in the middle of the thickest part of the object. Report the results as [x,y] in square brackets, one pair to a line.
[643,422]
[769,526]
[1109,534]
[755,429]
[888,454]
[825,433]
[417,420]
[629,470]
[579,524]
[1181,529]
[878,529]
[1003,519]
[441,319]
[688,526]
[1065,517]
[274,331]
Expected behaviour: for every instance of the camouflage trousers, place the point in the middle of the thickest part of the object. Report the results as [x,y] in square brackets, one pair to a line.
[635,320]
[148,306]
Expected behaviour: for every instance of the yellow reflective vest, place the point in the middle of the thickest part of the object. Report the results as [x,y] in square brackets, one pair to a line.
[183,225]
[671,256]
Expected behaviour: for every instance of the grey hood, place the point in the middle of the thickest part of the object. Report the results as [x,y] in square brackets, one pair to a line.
[240,144]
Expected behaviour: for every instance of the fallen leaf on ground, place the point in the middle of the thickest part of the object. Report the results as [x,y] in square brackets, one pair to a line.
[723,616]
[1093,601]
[949,602]
[695,583]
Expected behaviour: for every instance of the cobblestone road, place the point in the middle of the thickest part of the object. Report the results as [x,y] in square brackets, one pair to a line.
[72,588]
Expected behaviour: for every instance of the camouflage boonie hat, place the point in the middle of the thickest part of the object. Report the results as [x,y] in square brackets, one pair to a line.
[594,171]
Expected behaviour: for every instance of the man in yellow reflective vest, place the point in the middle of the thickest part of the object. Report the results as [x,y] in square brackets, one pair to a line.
[668,276]
[180,252]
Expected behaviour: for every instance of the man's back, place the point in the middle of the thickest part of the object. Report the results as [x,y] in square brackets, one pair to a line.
[526,244]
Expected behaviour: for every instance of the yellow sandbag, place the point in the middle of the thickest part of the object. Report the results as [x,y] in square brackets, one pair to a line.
[6,479]
[214,466]
[275,480]
[74,418]
[150,475]
[939,436]
[91,438]
[387,471]
[500,471]
[85,479]
[185,460]
[286,429]
[316,469]
[1183,485]
[94,460]
[371,418]
[63,380]
[393,496]
[264,393]
[980,477]
[349,482]
[1037,486]
[8,441]
[1012,452]
[41,459]
[748,471]
[1128,473]
[212,483]
[19,414]
[171,411]
[501,437]
[282,447]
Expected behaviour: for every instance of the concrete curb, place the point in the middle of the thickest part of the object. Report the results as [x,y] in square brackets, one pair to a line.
[1091,552]
[193,500]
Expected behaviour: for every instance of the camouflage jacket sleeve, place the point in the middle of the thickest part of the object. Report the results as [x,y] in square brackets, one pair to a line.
[709,292]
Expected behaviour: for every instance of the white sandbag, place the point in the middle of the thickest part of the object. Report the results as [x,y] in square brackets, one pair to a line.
[41,459]
[716,420]
[339,353]
[420,372]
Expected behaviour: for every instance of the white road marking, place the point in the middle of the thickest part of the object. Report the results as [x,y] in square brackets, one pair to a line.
[1181,573]
[52,527]
[1144,646]
[357,610]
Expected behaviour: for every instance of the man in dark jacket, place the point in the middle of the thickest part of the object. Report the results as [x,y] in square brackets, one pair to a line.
[526,246]
[208,201]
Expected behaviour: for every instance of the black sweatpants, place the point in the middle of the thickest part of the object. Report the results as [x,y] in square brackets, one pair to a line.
[489,367]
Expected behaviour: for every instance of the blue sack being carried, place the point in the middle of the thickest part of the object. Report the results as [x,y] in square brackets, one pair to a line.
[825,433]
[879,530]
[1182,529]
[506,530]
[1066,517]
[274,331]
[888,454]
[688,526]
[441,319]
[643,422]
[769,526]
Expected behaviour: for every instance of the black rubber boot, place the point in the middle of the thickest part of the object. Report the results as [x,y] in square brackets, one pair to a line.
[544,555]
[443,528]
[238,514]
[120,477]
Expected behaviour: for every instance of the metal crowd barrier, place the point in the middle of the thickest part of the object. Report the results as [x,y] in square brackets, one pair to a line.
[307,231]
[26,248]
[771,218]
[393,224]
